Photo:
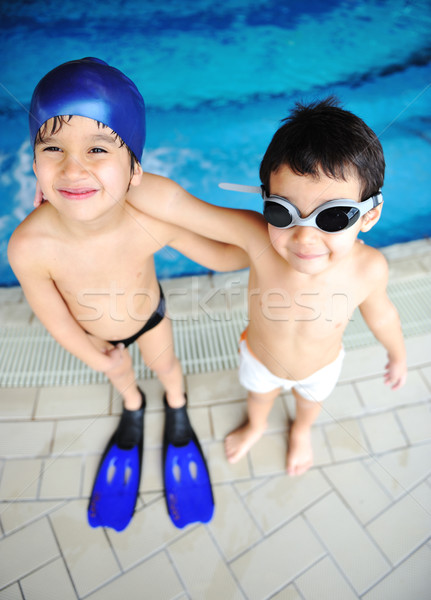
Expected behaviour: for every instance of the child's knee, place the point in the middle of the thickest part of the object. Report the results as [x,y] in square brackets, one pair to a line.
[165,365]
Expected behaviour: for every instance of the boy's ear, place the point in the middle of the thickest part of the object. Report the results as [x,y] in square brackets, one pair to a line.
[137,174]
[371,217]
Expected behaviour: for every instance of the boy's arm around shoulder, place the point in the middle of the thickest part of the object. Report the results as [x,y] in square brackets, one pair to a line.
[27,260]
[383,320]
[214,255]
[169,202]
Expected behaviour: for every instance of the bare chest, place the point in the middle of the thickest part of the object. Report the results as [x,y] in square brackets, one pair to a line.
[106,283]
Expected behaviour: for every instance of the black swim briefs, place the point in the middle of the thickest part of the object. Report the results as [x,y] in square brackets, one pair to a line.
[154,320]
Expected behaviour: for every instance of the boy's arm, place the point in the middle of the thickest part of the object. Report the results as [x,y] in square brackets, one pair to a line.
[169,202]
[217,256]
[383,320]
[50,308]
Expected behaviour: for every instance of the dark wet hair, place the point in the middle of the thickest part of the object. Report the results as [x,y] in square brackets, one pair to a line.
[321,135]
[57,124]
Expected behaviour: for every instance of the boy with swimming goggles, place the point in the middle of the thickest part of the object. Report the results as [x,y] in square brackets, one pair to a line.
[321,175]
[85,258]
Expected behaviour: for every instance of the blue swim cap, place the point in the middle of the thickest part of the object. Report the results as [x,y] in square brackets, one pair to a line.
[89,87]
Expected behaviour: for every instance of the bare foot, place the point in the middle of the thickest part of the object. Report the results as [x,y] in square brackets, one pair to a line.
[300,452]
[239,442]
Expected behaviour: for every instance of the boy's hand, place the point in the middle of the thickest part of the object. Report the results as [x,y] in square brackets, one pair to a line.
[395,373]
[116,358]
[38,196]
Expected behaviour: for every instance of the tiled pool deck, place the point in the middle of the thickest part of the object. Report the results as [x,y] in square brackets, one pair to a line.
[357,525]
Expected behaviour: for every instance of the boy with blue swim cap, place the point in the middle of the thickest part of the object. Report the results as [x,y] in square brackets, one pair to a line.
[91,88]
[85,260]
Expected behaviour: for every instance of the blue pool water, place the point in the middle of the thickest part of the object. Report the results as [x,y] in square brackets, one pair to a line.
[218,78]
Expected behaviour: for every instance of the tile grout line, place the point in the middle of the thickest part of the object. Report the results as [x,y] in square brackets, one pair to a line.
[361,527]
[394,568]
[62,555]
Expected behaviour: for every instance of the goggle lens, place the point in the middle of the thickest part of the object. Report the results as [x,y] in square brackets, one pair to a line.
[337,218]
[276,215]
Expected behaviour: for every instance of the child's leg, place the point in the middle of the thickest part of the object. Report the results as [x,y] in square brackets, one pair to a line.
[157,349]
[239,441]
[300,452]
[122,377]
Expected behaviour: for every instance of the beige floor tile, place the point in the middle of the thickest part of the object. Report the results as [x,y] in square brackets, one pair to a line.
[363,362]
[426,373]
[153,391]
[150,530]
[412,579]
[73,401]
[232,525]
[323,581]
[11,593]
[245,487]
[405,268]
[227,417]
[150,497]
[61,478]
[383,432]
[346,440]
[288,593]
[52,581]
[201,423]
[151,479]
[201,567]
[401,470]
[277,560]
[416,421]
[153,429]
[376,395]
[154,578]
[15,314]
[20,479]
[220,470]
[405,525]
[359,489]
[25,439]
[349,545]
[321,453]
[26,550]
[15,515]
[17,403]
[90,470]
[203,388]
[418,350]
[283,497]
[83,435]
[83,546]
[341,404]
[11,295]
[268,455]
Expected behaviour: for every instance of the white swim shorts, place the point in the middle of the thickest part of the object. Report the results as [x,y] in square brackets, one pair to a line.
[255,377]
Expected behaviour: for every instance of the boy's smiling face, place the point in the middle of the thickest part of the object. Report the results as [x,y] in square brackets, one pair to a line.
[83,170]
[307,249]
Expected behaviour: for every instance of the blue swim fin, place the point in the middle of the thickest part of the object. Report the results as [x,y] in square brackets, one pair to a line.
[116,486]
[188,492]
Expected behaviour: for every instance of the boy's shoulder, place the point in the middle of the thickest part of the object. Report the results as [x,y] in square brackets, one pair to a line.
[371,262]
[154,185]
[31,236]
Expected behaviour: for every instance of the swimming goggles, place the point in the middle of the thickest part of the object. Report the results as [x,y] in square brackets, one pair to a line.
[331,217]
